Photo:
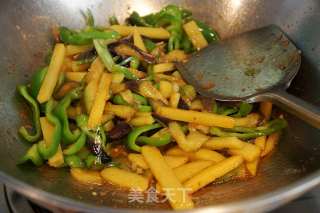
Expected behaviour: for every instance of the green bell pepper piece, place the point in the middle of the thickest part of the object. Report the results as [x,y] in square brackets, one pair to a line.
[155,141]
[107,60]
[150,45]
[32,155]
[134,63]
[77,146]
[137,20]
[36,81]
[61,112]
[244,109]
[118,99]
[74,161]
[209,34]
[96,134]
[22,89]
[85,37]
[125,71]
[134,134]
[249,133]
[93,162]
[48,151]
[140,99]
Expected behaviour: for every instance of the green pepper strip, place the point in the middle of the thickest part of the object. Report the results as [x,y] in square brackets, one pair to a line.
[150,45]
[134,63]
[207,32]
[272,127]
[134,134]
[96,134]
[118,99]
[77,146]
[22,89]
[155,141]
[140,99]
[61,112]
[93,163]
[47,152]
[244,109]
[74,161]
[32,155]
[85,37]
[136,19]
[36,81]
[107,60]
[173,15]
[228,111]
[142,102]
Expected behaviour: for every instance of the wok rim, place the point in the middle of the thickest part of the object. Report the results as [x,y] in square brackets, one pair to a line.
[264,202]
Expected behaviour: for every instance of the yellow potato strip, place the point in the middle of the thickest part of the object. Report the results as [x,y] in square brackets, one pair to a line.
[203,118]
[76,49]
[217,143]
[125,178]
[99,103]
[176,194]
[51,78]
[176,55]
[195,35]
[249,152]
[266,109]
[201,154]
[252,167]
[250,120]
[150,32]
[125,112]
[75,76]
[137,40]
[164,67]
[47,129]
[172,161]
[86,176]
[141,121]
[213,172]
[188,170]
[261,142]
[270,143]
[174,99]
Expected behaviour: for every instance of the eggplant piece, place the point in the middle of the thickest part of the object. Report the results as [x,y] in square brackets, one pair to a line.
[120,130]
[97,143]
[96,148]
[182,104]
[144,56]
[133,85]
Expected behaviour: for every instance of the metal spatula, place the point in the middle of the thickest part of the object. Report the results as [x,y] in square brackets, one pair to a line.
[255,66]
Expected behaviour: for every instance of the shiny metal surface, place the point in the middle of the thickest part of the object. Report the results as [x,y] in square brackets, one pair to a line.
[293,168]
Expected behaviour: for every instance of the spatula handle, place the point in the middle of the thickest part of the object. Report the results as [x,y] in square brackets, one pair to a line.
[296,106]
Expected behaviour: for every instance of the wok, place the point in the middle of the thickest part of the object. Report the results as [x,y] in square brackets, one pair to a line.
[289,172]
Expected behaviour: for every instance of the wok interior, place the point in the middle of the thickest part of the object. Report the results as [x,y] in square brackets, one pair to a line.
[26,39]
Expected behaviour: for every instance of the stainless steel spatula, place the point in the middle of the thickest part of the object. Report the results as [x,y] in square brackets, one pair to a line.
[255,66]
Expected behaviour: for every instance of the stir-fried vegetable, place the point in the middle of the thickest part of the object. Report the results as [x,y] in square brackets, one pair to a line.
[113,98]
[35,114]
